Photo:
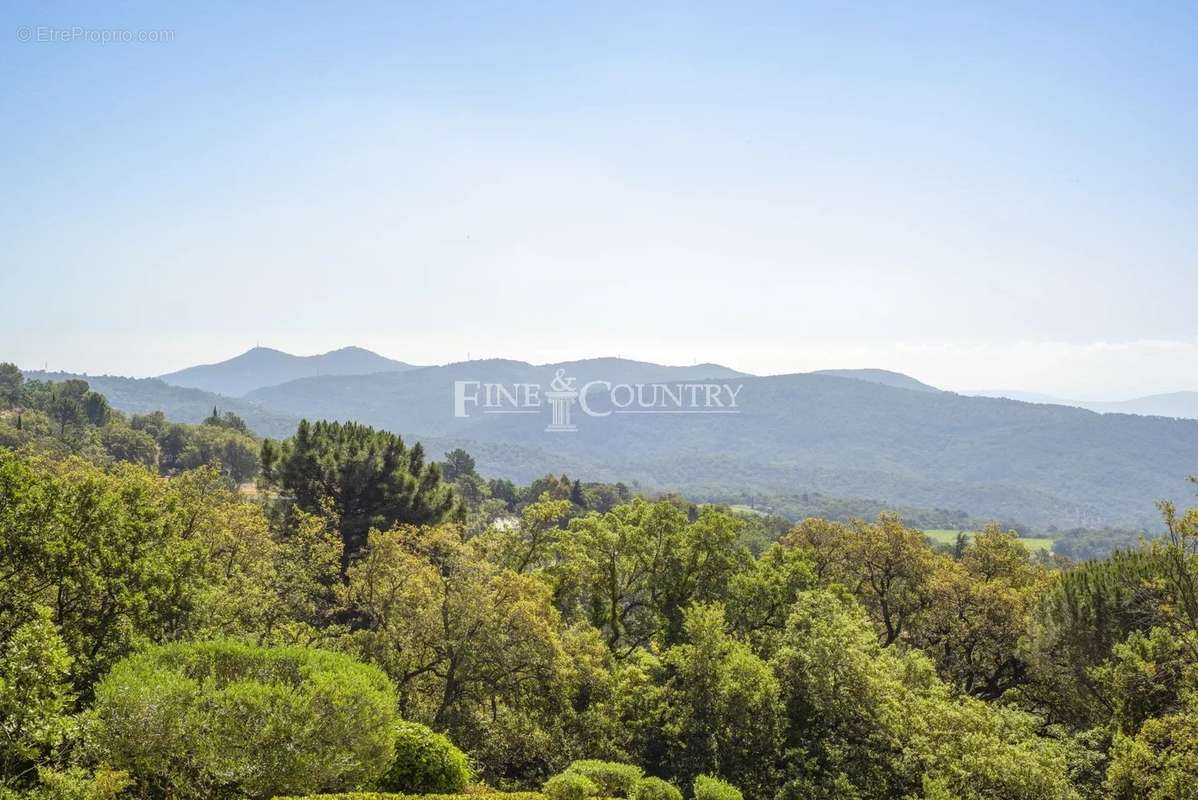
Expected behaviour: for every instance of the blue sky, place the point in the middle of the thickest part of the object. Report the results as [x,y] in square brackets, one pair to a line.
[981,196]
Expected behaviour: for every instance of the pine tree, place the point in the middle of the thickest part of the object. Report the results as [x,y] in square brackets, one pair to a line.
[371,477]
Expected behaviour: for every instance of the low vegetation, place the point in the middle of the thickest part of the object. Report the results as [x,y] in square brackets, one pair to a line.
[425,762]
[611,778]
[709,788]
[570,786]
[194,720]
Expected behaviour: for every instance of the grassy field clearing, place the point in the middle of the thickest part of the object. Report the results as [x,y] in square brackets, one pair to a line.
[948,536]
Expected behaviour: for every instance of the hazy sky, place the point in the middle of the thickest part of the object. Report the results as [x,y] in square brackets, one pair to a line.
[982,195]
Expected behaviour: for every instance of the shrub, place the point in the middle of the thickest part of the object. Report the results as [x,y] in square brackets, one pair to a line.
[709,788]
[570,786]
[205,719]
[655,789]
[75,783]
[614,779]
[425,762]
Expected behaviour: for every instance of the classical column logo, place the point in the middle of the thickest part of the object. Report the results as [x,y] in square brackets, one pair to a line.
[561,397]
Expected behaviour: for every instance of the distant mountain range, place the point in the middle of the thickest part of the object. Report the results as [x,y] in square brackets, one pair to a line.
[263,366]
[842,433]
[1181,405]
[883,376]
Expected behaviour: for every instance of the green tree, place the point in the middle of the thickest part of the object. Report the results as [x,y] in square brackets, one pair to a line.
[458,463]
[236,453]
[126,444]
[760,596]
[978,613]
[35,698]
[65,404]
[474,649]
[371,477]
[886,565]
[613,559]
[636,568]
[708,788]
[228,420]
[504,490]
[699,562]
[533,543]
[724,705]
[105,551]
[1160,762]
[570,786]
[612,778]
[874,722]
[11,385]
[123,557]
[96,409]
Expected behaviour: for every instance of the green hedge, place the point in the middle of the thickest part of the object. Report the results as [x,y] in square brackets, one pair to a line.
[425,763]
[570,786]
[614,779]
[709,788]
[656,789]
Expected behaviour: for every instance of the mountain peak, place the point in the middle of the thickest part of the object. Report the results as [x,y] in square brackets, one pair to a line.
[260,367]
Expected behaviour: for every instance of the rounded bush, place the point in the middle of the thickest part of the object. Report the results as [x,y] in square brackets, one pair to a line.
[655,789]
[426,762]
[709,788]
[614,779]
[570,786]
[207,719]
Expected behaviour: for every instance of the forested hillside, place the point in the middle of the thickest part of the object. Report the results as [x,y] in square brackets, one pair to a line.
[146,395]
[843,437]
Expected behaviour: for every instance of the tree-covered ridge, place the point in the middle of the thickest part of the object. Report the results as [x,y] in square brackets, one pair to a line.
[180,404]
[842,437]
[70,417]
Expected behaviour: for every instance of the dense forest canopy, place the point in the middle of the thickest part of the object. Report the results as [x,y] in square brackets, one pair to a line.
[187,611]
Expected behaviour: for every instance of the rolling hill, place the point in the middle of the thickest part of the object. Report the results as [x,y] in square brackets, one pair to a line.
[263,366]
[421,400]
[179,404]
[1042,464]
